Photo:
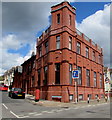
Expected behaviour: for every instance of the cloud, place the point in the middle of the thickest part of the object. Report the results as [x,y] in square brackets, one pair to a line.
[11,41]
[22,21]
[20,24]
[30,16]
[9,60]
[97,27]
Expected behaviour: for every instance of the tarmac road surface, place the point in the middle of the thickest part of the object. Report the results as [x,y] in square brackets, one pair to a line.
[21,108]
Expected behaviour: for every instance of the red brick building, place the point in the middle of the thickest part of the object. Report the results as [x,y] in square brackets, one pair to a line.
[28,75]
[17,79]
[26,78]
[61,49]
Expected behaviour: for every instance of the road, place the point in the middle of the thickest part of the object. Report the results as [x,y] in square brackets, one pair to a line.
[21,108]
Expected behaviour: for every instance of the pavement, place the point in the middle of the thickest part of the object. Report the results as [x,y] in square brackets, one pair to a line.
[31,99]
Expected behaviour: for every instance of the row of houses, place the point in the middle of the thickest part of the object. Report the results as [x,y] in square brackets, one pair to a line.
[61,49]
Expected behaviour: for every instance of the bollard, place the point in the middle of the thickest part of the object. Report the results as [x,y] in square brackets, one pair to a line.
[105,98]
[88,100]
[98,100]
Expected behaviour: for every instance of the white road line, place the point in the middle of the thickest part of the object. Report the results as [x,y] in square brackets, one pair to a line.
[5,106]
[23,116]
[32,113]
[50,112]
[38,114]
[14,114]
[45,111]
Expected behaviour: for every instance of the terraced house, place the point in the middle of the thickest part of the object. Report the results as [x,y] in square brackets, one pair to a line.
[61,49]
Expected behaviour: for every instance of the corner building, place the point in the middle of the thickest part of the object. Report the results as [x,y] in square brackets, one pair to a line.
[62,48]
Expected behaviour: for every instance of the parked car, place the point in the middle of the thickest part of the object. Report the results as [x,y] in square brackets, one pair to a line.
[17,93]
[3,88]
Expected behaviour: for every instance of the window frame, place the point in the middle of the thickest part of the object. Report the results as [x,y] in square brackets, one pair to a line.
[70,20]
[58,42]
[87,52]
[88,77]
[93,56]
[78,47]
[45,75]
[95,79]
[57,72]
[99,59]
[40,51]
[70,42]
[80,75]
[46,46]
[101,82]
[58,18]
[82,95]
[39,77]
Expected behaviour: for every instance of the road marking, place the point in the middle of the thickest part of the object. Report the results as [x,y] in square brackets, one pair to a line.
[5,106]
[23,116]
[45,111]
[14,114]
[50,112]
[32,113]
[38,114]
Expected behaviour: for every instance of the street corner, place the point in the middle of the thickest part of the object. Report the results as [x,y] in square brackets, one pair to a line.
[34,102]
[47,103]
[40,103]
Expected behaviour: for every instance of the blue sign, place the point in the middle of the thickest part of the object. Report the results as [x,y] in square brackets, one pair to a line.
[75,74]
